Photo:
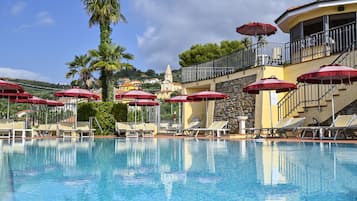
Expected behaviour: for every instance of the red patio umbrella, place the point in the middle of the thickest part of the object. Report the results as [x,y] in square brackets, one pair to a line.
[179,99]
[77,93]
[144,102]
[13,94]
[34,100]
[207,96]
[7,86]
[256,29]
[330,74]
[269,84]
[53,103]
[136,94]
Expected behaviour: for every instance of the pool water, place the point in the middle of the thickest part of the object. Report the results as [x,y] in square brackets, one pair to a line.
[176,169]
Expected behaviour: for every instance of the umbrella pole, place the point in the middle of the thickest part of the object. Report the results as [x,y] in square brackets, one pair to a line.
[332,104]
[271,114]
[180,120]
[75,114]
[46,116]
[8,107]
[136,107]
[206,113]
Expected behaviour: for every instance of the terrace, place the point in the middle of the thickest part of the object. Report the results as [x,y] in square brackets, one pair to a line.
[312,46]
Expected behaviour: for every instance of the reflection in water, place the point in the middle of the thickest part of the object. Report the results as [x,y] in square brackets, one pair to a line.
[167,169]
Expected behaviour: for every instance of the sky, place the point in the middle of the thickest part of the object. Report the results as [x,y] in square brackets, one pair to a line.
[38,37]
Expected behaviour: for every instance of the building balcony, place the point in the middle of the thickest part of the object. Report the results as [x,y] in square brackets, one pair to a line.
[314,46]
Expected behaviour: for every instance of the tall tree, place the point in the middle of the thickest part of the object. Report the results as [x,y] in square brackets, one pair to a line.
[104,13]
[80,67]
[108,59]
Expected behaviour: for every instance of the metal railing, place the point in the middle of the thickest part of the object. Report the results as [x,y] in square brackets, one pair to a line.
[314,94]
[321,44]
[260,54]
[314,46]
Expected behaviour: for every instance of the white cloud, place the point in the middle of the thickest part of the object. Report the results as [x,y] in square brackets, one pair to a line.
[42,19]
[20,74]
[17,8]
[148,35]
[174,26]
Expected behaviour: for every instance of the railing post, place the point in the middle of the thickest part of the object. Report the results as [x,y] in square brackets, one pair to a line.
[318,97]
[305,97]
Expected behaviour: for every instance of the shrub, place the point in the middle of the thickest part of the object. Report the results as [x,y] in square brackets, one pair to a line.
[106,113]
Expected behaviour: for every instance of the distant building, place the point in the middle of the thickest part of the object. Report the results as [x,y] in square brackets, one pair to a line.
[132,85]
[167,85]
[152,81]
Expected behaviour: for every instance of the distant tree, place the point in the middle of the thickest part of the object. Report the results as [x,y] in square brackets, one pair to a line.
[151,73]
[152,88]
[202,53]
[80,67]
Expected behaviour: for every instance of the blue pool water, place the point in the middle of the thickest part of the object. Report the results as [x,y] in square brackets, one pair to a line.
[176,169]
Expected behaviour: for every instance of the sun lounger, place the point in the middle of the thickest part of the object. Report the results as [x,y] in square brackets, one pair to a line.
[290,126]
[20,127]
[127,129]
[84,129]
[216,126]
[149,130]
[258,131]
[44,129]
[67,130]
[6,127]
[191,125]
[340,124]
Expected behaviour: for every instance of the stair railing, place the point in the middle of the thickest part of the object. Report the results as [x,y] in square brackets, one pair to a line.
[305,95]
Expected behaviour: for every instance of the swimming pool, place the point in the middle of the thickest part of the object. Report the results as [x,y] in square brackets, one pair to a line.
[176,169]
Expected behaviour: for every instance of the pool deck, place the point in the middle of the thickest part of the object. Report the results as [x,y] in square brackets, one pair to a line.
[233,137]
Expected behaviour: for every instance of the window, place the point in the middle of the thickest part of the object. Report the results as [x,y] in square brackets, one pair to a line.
[341,19]
[313,26]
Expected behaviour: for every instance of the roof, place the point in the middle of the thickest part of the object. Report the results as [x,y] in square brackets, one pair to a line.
[283,20]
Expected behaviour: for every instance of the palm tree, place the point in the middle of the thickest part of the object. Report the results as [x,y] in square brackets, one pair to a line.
[80,66]
[104,13]
[246,42]
[108,59]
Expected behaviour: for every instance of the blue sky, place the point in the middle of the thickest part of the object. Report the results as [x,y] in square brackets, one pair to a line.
[39,36]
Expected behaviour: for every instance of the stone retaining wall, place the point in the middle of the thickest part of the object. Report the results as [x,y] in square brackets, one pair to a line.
[238,103]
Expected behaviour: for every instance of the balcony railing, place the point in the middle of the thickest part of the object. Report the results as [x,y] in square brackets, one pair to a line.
[315,46]
[260,54]
[321,44]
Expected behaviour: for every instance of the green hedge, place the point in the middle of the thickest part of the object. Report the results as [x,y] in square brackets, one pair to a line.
[106,113]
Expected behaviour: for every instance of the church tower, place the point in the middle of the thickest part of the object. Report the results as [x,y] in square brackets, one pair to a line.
[168,74]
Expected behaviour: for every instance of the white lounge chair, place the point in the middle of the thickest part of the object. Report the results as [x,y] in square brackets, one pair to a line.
[216,126]
[6,128]
[84,129]
[20,127]
[127,129]
[281,123]
[192,125]
[341,123]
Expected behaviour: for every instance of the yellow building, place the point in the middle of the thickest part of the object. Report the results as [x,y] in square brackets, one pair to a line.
[321,32]
[132,85]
